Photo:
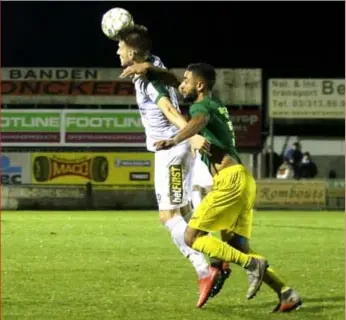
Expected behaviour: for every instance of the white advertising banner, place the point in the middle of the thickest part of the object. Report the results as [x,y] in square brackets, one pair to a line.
[306,98]
[103,86]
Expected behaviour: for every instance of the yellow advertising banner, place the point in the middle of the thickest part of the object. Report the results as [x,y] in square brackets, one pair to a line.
[104,170]
[290,192]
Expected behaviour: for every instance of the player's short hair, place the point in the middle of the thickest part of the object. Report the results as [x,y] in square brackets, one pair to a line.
[136,37]
[204,71]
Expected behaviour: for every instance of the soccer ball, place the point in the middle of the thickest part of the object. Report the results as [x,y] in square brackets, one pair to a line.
[114,20]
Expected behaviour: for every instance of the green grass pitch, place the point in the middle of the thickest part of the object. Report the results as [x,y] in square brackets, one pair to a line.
[123,265]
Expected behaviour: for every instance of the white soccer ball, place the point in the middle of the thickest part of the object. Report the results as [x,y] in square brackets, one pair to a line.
[114,20]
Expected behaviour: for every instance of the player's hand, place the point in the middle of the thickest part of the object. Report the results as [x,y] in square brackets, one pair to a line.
[200,143]
[164,144]
[136,68]
[193,152]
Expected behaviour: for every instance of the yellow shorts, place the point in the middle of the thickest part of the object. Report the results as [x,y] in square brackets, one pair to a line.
[229,206]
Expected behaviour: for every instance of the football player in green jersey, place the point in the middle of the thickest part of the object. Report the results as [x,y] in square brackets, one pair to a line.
[228,208]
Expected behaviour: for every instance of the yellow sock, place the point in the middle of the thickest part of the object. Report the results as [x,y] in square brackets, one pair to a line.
[272,279]
[216,248]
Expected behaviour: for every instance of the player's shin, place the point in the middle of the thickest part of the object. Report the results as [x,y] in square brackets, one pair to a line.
[271,278]
[177,226]
[274,281]
[216,248]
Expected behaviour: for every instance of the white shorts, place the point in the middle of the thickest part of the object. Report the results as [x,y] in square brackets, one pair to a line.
[172,176]
[200,173]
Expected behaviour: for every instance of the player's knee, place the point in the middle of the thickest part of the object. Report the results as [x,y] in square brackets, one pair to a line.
[196,188]
[191,235]
[186,209]
[166,215]
[227,236]
[241,243]
[188,216]
[207,189]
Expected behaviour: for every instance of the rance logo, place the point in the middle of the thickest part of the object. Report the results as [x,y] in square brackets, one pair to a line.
[176,184]
[46,169]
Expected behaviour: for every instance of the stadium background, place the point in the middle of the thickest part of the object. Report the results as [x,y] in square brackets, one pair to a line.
[83,149]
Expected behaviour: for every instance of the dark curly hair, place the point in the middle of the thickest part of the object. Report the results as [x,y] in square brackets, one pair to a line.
[204,71]
[136,37]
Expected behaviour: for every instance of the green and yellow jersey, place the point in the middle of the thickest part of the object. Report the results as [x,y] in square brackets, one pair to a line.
[218,131]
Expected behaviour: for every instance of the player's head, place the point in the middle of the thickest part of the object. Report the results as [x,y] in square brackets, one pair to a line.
[198,81]
[134,45]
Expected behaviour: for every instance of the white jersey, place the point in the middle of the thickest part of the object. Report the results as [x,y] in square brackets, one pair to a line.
[148,92]
[201,175]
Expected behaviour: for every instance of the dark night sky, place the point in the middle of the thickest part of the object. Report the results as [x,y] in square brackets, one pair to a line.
[287,39]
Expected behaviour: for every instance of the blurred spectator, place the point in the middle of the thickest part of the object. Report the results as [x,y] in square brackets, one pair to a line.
[332,174]
[276,163]
[285,171]
[294,157]
[307,168]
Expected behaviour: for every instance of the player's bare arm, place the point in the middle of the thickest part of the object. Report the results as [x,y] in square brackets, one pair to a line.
[193,127]
[136,68]
[174,116]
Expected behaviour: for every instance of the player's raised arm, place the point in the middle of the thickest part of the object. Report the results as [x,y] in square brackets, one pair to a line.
[171,113]
[193,127]
[163,75]
[159,94]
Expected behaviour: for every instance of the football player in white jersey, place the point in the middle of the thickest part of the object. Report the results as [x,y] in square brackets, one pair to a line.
[161,118]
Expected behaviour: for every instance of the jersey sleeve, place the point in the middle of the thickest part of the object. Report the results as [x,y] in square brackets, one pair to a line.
[156,91]
[198,108]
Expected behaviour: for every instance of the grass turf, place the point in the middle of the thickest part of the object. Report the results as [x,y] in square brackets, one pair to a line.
[123,265]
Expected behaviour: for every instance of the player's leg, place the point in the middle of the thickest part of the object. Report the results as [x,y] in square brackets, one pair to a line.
[224,267]
[214,273]
[202,184]
[239,237]
[289,299]
[170,166]
[207,189]
[199,176]
[243,225]
[218,211]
